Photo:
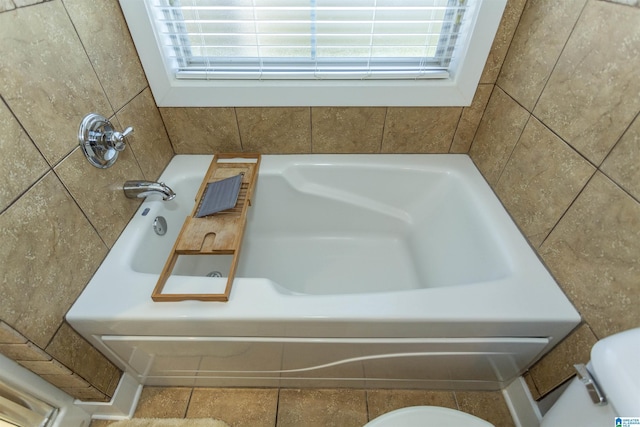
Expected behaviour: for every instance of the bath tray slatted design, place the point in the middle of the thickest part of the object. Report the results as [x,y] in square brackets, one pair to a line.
[217,234]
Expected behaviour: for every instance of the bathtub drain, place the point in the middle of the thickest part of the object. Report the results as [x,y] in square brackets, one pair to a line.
[160,226]
[214,274]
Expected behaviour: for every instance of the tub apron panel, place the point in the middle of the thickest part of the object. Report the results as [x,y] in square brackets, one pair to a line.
[446,363]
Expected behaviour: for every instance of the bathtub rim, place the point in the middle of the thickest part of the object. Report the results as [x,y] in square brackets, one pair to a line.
[543,310]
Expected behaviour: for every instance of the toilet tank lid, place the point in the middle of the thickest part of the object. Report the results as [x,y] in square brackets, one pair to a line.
[614,361]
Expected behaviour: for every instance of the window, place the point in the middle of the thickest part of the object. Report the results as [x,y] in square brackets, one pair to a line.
[313,52]
[316,39]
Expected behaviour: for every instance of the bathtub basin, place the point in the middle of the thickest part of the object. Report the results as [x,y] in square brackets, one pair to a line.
[355,270]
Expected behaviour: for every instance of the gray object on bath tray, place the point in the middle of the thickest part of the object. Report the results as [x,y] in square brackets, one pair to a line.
[219,196]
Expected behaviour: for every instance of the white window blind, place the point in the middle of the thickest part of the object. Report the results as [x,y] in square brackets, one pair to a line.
[309,39]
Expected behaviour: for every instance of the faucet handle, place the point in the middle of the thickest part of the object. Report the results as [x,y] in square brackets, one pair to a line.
[127,131]
[116,143]
[117,138]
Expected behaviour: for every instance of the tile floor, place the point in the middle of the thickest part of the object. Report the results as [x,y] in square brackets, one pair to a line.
[258,407]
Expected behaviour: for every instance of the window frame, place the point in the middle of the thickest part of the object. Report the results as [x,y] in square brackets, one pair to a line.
[456,90]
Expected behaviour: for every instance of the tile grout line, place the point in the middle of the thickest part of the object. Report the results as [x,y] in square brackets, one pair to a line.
[86,52]
[384,128]
[555,65]
[275,422]
[39,178]
[366,404]
[455,399]
[475,132]
[186,409]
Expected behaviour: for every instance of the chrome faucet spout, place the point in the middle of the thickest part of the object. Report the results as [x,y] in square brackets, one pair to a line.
[141,189]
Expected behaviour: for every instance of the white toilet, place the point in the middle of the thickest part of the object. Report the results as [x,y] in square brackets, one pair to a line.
[614,371]
[425,416]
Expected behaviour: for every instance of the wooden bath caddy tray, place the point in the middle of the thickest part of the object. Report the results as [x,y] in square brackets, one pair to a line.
[217,234]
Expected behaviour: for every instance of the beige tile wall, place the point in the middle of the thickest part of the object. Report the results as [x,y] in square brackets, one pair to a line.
[341,130]
[58,214]
[560,144]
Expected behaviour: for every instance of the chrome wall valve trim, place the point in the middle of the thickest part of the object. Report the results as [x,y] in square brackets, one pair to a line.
[100,142]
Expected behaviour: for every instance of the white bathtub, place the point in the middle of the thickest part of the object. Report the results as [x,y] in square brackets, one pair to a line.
[356,270]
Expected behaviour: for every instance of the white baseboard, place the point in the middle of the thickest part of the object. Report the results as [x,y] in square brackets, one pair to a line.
[122,404]
[522,406]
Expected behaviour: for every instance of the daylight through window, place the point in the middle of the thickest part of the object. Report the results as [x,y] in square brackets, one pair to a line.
[310,39]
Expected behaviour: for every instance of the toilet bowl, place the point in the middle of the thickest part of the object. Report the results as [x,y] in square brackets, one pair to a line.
[613,373]
[420,416]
